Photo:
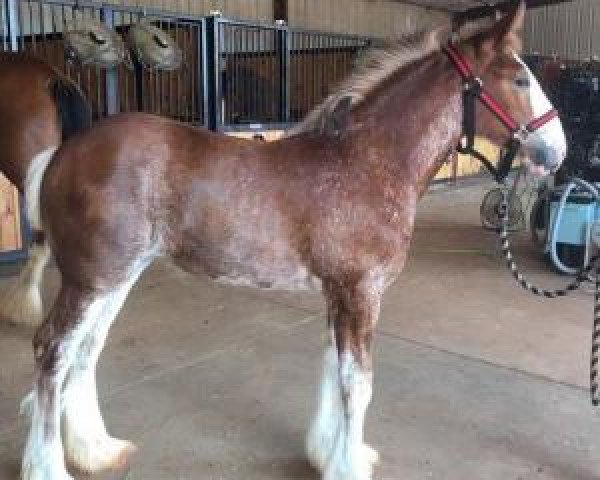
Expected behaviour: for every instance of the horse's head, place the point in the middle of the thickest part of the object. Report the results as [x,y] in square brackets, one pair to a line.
[518,93]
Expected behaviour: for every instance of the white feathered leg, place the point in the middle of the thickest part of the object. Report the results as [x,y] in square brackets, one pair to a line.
[88,446]
[351,458]
[21,303]
[326,425]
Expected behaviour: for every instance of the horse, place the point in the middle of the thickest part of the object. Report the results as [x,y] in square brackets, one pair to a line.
[39,108]
[330,207]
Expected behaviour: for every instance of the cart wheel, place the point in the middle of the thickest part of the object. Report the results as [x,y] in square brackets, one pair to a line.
[538,221]
[489,211]
[572,256]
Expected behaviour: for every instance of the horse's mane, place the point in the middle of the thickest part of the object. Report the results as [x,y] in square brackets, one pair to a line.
[9,56]
[12,59]
[379,64]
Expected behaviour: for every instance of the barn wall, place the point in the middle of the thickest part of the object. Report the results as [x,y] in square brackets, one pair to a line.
[569,30]
[259,10]
[381,18]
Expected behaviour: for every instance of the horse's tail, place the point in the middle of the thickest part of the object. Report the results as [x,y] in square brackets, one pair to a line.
[74,111]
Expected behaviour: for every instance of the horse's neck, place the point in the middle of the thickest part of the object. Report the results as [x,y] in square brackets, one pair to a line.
[411,124]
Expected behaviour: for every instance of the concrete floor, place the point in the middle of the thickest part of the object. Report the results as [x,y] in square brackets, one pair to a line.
[475,379]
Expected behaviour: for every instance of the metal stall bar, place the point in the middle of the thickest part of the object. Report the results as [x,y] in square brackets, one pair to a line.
[111,76]
[284,59]
[254,72]
[11,24]
[211,73]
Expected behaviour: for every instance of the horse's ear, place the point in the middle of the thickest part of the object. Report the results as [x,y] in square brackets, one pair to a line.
[506,33]
[337,120]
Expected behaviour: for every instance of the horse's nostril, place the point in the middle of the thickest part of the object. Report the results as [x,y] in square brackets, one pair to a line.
[541,157]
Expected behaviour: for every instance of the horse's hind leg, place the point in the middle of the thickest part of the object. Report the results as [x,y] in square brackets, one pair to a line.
[55,344]
[21,304]
[88,446]
[67,346]
[335,441]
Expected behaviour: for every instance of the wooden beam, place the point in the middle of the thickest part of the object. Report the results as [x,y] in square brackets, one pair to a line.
[280,10]
[487,10]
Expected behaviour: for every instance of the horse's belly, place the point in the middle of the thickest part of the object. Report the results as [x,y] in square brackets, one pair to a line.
[250,264]
[282,277]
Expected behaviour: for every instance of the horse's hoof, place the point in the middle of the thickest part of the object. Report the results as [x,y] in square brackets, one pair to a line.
[44,471]
[100,454]
[318,450]
[371,455]
[351,467]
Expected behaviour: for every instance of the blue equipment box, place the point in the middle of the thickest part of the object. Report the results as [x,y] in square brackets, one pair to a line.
[579,213]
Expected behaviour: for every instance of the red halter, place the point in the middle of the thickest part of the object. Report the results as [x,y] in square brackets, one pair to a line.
[473,91]
[463,67]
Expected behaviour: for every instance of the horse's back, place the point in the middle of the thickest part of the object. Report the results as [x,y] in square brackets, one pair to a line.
[27,112]
[24,62]
[144,143]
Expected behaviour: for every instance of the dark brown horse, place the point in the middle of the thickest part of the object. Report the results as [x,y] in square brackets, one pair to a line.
[330,207]
[39,108]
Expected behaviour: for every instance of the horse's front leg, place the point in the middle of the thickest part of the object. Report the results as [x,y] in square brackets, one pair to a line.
[335,442]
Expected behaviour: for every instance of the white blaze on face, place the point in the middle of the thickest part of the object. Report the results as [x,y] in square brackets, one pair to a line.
[550,136]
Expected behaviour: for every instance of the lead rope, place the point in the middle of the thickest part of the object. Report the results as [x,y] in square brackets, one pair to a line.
[595,342]
[580,278]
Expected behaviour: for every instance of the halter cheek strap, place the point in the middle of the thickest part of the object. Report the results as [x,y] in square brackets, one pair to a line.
[474,91]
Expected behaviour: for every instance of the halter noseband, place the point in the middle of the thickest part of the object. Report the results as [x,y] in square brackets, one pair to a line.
[473,90]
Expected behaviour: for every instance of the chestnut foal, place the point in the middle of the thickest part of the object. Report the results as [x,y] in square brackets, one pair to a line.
[39,108]
[331,207]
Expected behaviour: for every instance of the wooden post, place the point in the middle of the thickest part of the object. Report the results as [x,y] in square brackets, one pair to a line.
[280,10]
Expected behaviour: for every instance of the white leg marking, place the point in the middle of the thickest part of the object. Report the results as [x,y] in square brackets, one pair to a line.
[326,425]
[88,446]
[33,185]
[43,458]
[351,458]
[22,302]
[334,444]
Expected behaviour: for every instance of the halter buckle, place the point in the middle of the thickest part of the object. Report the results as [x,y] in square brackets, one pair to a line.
[473,85]
[521,134]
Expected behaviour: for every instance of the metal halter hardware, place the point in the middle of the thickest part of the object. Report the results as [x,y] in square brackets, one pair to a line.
[473,91]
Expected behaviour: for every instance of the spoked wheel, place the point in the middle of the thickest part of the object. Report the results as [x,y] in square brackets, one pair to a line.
[490,214]
[572,256]
[538,221]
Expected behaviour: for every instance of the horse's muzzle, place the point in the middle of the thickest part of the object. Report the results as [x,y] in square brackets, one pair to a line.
[548,155]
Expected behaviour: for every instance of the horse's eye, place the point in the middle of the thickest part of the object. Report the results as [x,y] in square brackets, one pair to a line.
[522,82]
